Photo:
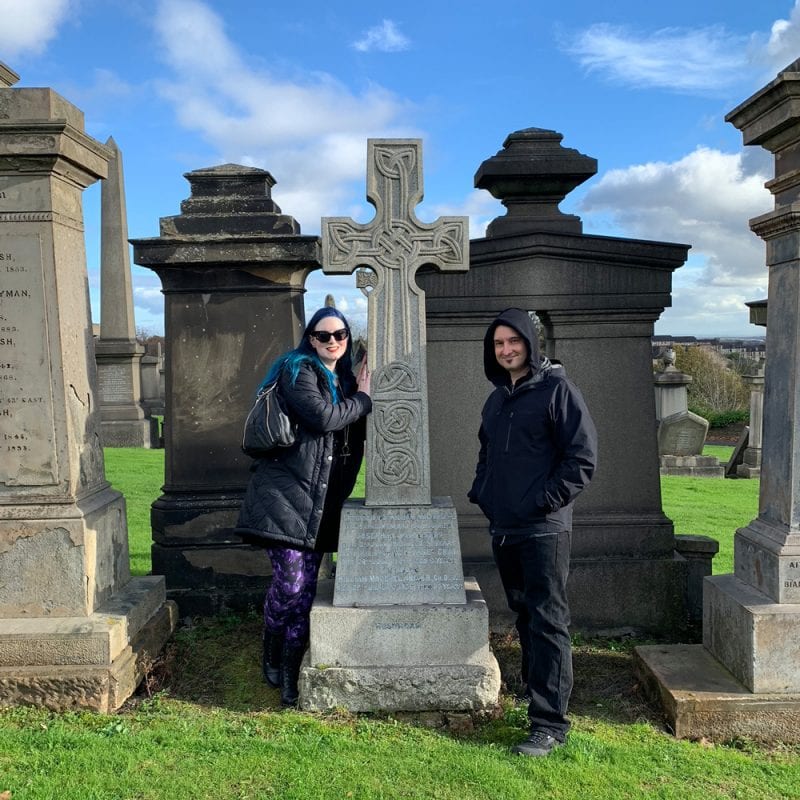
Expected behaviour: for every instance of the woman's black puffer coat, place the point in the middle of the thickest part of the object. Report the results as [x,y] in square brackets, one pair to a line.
[287,491]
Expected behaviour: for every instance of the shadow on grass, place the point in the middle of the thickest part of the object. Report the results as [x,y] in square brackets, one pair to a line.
[216,662]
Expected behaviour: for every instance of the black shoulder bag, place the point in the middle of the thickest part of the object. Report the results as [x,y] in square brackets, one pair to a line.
[267,425]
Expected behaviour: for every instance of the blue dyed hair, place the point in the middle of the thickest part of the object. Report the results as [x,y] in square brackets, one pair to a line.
[305,353]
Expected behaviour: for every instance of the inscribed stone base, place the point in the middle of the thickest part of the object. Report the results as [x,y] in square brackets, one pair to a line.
[757,639]
[768,560]
[93,662]
[701,699]
[127,433]
[694,466]
[399,554]
[400,658]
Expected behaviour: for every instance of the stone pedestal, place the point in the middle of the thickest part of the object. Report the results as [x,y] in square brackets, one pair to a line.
[751,619]
[232,267]
[598,298]
[404,657]
[403,630]
[75,629]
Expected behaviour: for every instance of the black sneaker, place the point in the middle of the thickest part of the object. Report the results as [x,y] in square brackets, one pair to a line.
[537,744]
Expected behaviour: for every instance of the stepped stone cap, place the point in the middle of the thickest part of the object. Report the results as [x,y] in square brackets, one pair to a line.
[531,175]
[229,200]
[7,76]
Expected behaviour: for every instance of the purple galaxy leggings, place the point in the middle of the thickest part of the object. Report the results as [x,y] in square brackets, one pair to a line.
[294,584]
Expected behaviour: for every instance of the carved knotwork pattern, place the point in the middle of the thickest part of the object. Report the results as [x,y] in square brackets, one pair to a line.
[397,466]
[396,247]
[396,420]
[396,377]
[396,424]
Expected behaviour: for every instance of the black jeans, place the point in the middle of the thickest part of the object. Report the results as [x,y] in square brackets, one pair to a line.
[534,572]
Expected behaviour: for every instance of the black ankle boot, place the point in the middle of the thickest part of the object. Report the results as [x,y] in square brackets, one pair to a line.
[291,657]
[271,658]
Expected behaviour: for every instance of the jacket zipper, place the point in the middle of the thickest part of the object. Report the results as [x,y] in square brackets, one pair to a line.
[508,437]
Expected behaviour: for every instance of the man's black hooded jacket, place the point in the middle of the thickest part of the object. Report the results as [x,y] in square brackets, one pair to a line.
[538,442]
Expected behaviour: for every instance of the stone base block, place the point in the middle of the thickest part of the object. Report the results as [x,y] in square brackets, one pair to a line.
[701,699]
[692,466]
[127,433]
[617,596]
[91,662]
[402,635]
[746,471]
[768,560]
[755,638]
[462,687]
[400,658]
[204,581]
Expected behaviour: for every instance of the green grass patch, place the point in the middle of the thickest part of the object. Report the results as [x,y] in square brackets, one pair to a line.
[139,475]
[211,729]
[204,725]
[711,506]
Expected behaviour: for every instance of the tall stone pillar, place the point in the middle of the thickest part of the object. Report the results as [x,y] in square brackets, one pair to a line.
[232,267]
[119,356]
[762,598]
[74,626]
[597,298]
[745,679]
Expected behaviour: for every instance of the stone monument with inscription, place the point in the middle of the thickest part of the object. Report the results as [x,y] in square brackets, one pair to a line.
[122,417]
[744,681]
[402,629]
[75,629]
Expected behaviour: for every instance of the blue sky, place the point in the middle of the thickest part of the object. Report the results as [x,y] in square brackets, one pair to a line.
[297,88]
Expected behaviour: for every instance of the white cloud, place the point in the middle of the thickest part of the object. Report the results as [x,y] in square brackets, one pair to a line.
[148,298]
[385,38]
[704,199]
[478,205]
[28,25]
[783,45]
[309,130]
[701,61]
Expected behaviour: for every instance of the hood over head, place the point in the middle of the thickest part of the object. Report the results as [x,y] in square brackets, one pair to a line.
[521,322]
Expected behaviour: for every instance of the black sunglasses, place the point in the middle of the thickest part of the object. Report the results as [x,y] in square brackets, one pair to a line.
[325,336]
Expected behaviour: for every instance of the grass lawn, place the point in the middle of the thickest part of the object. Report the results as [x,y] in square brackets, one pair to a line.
[204,725]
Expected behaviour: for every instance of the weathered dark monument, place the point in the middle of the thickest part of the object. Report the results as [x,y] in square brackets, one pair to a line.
[745,678]
[402,630]
[75,628]
[597,298]
[233,269]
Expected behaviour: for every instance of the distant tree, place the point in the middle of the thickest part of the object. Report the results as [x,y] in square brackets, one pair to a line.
[150,341]
[743,364]
[715,386]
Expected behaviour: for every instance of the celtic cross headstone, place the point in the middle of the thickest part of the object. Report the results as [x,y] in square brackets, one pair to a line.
[401,629]
[392,247]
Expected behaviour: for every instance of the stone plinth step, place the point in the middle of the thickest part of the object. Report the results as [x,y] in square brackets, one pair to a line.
[416,657]
[702,699]
[93,663]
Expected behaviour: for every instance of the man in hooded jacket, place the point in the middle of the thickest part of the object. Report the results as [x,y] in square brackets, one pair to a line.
[538,449]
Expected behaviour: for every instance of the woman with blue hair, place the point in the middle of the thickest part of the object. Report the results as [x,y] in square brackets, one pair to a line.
[295,495]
